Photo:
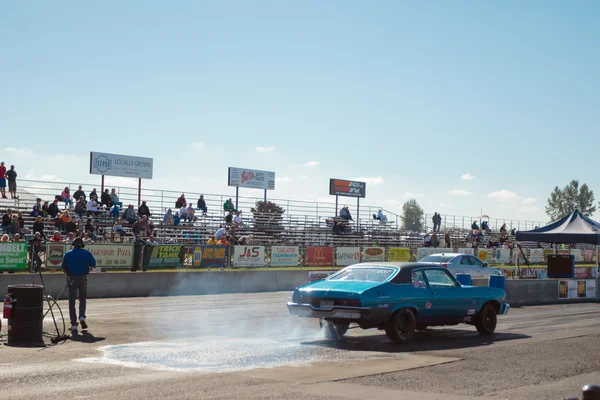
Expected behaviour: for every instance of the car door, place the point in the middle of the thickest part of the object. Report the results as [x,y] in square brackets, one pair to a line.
[463,265]
[449,300]
[479,268]
[421,296]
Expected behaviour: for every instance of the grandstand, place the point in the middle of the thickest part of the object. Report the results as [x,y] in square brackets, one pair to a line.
[303,223]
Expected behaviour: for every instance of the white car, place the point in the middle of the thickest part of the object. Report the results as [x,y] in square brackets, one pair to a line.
[458,263]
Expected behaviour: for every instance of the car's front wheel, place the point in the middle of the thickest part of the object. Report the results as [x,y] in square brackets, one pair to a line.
[332,330]
[401,326]
[486,320]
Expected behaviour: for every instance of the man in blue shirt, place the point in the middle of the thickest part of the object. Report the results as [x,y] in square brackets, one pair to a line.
[76,264]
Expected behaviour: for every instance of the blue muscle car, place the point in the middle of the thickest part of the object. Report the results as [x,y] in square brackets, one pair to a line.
[399,298]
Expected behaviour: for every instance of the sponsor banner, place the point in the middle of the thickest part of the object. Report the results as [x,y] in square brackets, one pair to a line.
[546,253]
[210,256]
[585,272]
[577,254]
[120,165]
[106,255]
[564,252]
[314,276]
[249,256]
[483,255]
[466,250]
[340,187]
[423,252]
[373,254]
[502,256]
[517,257]
[285,256]
[536,256]
[577,289]
[251,178]
[13,256]
[164,256]
[347,255]
[588,256]
[399,254]
[319,256]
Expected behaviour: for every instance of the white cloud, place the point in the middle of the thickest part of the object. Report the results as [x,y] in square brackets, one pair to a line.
[311,164]
[283,179]
[376,180]
[326,199]
[260,149]
[467,177]
[412,195]
[391,202]
[503,195]
[528,209]
[529,201]
[198,145]
[444,205]
[19,151]
[304,178]
[460,192]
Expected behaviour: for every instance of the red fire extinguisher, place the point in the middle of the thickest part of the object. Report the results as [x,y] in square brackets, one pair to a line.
[7,309]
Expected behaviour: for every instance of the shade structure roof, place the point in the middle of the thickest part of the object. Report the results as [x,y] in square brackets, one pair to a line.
[574,228]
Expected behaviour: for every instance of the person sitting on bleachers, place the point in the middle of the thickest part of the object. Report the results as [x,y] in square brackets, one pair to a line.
[176,219]
[81,207]
[87,238]
[484,226]
[90,229]
[105,199]
[474,226]
[221,232]
[35,212]
[492,242]
[92,208]
[94,195]
[129,215]
[18,238]
[183,213]
[237,220]
[228,206]
[427,240]
[503,228]
[38,227]
[65,197]
[115,212]
[224,241]
[45,208]
[118,228]
[211,241]
[381,216]
[229,218]
[6,219]
[5,238]
[64,218]
[78,194]
[114,198]
[181,201]
[345,214]
[435,242]
[70,237]
[168,217]
[191,213]
[56,237]
[13,227]
[71,226]
[202,205]
[143,210]
[53,209]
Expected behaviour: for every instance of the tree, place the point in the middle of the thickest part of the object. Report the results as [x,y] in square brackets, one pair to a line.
[412,214]
[267,216]
[563,201]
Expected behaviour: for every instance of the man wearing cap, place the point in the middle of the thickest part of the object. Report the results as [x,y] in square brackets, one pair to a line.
[3,180]
[76,264]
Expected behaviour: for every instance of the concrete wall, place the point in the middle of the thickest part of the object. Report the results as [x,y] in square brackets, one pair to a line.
[143,284]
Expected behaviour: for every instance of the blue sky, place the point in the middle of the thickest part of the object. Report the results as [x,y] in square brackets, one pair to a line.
[408,95]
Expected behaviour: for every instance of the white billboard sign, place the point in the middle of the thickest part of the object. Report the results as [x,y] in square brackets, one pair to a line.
[248,256]
[251,178]
[347,255]
[120,165]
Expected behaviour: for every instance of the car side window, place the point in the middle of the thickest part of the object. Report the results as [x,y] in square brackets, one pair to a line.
[476,261]
[418,280]
[464,260]
[439,278]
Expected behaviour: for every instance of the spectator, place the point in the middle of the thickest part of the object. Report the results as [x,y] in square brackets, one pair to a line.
[56,237]
[136,229]
[144,226]
[92,207]
[427,240]
[183,213]
[437,222]
[221,232]
[94,195]
[115,212]
[143,210]
[64,219]
[202,205]
[138,246]
[447,239]
[70,237]
[17,238]
[513,231]
[5,237]
[176,219]
[237,220]
[129,215]
[243,241]
[38,227]
[80,227]
[114,198]
[105,199]
[6,219]
[191,213]
[474,226]
[435,242]
[168,217]
[71,226]
[45,208]
[224,241]
[180,201]
[11,176]
[503,228]
[35,212]
[65,197]
[345,214]
[118,228]
[79,194]
[380,216]
[3,180]
[90,230]
[150,228]
[212,241]
[151,241]
[13,228]
[485,227]
[228,206]
[81,206]
[87,238]
[21,222]
[53,209]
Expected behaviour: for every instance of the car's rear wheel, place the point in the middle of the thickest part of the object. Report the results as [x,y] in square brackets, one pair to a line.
[486,320]
[401,326]
[332,330]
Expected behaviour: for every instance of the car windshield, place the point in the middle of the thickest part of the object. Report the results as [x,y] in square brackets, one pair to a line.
[437,259]
[363,274]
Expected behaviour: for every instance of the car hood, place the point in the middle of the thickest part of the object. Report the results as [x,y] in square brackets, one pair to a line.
[340,286]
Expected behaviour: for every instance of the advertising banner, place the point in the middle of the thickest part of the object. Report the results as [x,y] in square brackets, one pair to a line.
[319,256]
[502,256]
[467,250]
[285,256]
[340,187]
[373,254]
[249,256]
[517,257]
[120,165]
[577,289]
[423,252]
[164,256]
[585,272]
[210,256]
[347,255]
[106,255]
[13,256]
[536,256]
[251,178]
[577,254]
[588,256]
[399,254]
[314,276]
[546,253]
[483,255]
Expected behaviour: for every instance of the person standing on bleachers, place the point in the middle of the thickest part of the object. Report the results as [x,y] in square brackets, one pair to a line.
[3,180]
[78,194]
[143,210]
[202,205]
[11,177]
